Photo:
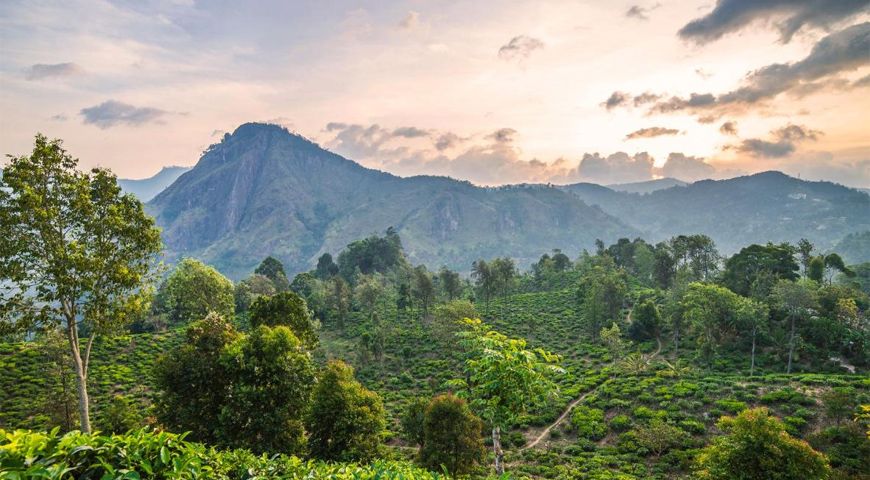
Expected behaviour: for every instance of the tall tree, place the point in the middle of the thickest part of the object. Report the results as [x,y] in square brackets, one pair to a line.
[505,378]
[339,299]
[74,252]
[796,299]
[602,293]
[451,436]
[273,269]
[287,309]
[346,420]
[368,291]
[423,289]
[805,249]
[326,267]
[451,285]
[744,269]
[484,280]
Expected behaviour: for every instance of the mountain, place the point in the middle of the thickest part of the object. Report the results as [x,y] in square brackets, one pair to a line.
[648,186]
[854,247]
[147,188]
[768,206]
[264,191]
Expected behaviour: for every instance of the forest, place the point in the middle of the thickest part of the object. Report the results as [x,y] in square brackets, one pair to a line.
[630,360]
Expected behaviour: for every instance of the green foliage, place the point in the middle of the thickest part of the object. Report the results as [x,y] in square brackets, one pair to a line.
[755,268]
[646,321]
[413,419]
[273,269]
[74,252]
[757,447]
[658,436]
[602,292]
[193,290]
[285,309]
[371,255]
[252,288]
[163,455]
[346,420]
[271,376]
[588,422]
[452,436]
[121,415]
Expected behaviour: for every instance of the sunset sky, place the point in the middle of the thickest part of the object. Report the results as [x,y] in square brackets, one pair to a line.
[489,91]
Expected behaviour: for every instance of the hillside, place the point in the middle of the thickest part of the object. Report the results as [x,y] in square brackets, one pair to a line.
[769,206]
[147,188]
[648,186]
[264,191]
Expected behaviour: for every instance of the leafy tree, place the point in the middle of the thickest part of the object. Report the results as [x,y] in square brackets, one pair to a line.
[452,436]
[58,400]
[484,280]
[121,415]
[271,377]
[504,378]
[193,382]
[273,269]
[346,419]
[612,338]
[289,310]
[371,255]
[451,285]
[602,292]
[744,269]
[504,271]
[646,321]
[822,268]
[713,313]
[697,253]
[805,249]
[756,447]
[75,252]
[413,419]
[193,290]
[752,316]
[326,267]
[659,436]
[339,299]
[423,289]
[664,266]
[368,291]
[403,298]
[796,299]
[252,288]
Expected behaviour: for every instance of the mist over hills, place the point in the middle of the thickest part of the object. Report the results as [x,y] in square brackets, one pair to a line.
[265,191]
[147,188]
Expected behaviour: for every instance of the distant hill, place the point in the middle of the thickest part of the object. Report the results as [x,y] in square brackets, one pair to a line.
[147,188]
[264,191]
[648,186]
[854,248]
[768,206]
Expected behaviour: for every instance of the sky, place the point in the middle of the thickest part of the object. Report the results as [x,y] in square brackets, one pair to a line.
[493,92]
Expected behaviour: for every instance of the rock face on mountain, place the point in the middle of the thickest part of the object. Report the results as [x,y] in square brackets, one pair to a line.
[768,206]
[264,191]
[147,188]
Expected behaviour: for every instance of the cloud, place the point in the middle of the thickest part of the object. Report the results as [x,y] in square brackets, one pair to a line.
[410,132]
[41,71]
[688,169]
[447,140]
[837,53]
[640,13]
[519,48]
[503,135]
[112,113]
[618,167]
[728,128]
[651,132]
[620,99]
[782,144]
[60,117]
[410,21]
[788,16]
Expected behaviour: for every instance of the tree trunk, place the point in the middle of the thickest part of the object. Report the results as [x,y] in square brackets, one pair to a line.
[790,345]
[81,369]
[752,362]
[496,449]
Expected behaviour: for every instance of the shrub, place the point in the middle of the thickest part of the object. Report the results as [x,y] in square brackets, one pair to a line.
[589,422]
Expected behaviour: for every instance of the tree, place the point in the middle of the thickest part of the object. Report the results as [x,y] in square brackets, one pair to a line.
[484,280]
[822,268]
[752,316]
[251,288]
[796,299]
[602,292]
[711,310]
[504,378]
[658,436]
[612,338]
[451,436]
[193,382]
[646,321]
[839,403]
[59,399]
[744,269]
[273,269]
[805,249]
[287,309]
[368,291]
[193,290]
[346,419]
[121,415]
[271,377]
[451,285]
[339,299]
[423,289]
[403,298]
[75,252]
[326,267]
[413,419]
[757,447]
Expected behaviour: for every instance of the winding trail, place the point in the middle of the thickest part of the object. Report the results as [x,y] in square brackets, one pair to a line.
[564,415]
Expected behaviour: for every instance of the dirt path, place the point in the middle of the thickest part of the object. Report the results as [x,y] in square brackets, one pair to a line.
[564,415]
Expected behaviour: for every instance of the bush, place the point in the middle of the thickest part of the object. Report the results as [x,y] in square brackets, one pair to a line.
[589,423]
[620,423]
